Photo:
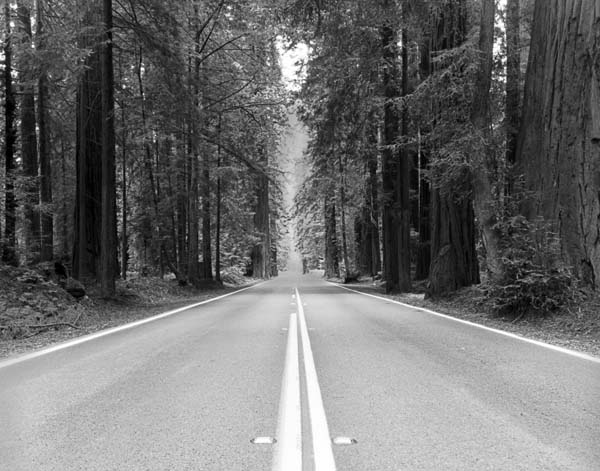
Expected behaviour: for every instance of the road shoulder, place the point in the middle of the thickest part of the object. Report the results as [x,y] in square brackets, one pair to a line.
[93,314]
[560,330]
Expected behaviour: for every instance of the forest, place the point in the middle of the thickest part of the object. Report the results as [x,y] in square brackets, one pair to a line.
[141,135]
[455,143]
[451,142]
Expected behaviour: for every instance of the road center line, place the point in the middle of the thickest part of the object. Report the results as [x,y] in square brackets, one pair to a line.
[288,449]
[323,453]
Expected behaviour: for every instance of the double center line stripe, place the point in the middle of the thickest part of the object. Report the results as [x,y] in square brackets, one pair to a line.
[288,449]
[321,439]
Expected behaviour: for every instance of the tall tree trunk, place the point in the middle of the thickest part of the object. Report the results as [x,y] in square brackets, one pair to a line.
[274,267]
[558,150]
[454,261]
[182,220]
[9,252]
[389,160]
[513,80]
[423,225]
[124,233]
[332,266]
[47,220]
[29,147]
[193,264]
[345,256]
[483,154]
[206,231]
[218,209]
[262,250]
[88,206]
[64,191]
[366,224]
[183,175]
[423,186]
[453,232]
[108,233]
[194,272]
[124,180]
[362,242]
[373,210]
[403,183]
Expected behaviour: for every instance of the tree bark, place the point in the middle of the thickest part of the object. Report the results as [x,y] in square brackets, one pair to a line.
[206,223]
[332,265]
[193,265]
[124,233]
[453,234]
[482,157]
[423,225]
[513,81]
[389,161]
[558,151]
[108,232]
[9,252]
[423,184]
[88,203]
[29,146]
[261,258]
[218,209]
[454,261]
[183,185]
[47,219]
[345,256]
[373,211]
[403,183]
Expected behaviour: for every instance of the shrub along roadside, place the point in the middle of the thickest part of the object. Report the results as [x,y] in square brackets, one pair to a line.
[535,283]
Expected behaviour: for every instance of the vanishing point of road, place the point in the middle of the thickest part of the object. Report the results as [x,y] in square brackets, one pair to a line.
[299,374]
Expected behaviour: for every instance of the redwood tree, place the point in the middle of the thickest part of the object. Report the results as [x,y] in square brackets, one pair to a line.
[88,210]
[29,147]
[108,233]
[394,170]
[47,219]
[454,261]
[558,151]
[9,253]
[513,78]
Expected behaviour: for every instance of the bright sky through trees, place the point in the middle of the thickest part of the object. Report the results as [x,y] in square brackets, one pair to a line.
[291,64]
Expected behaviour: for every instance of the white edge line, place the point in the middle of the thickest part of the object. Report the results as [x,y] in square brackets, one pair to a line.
[288,449]
[322,451]
[112,330]
[539,343]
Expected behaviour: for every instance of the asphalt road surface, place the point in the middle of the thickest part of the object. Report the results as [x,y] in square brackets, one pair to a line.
[291,364]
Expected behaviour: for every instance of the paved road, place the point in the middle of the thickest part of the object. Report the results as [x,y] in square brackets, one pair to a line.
[189,392]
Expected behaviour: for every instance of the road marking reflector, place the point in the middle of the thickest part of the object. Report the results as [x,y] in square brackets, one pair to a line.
[263,441]
[344,441]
